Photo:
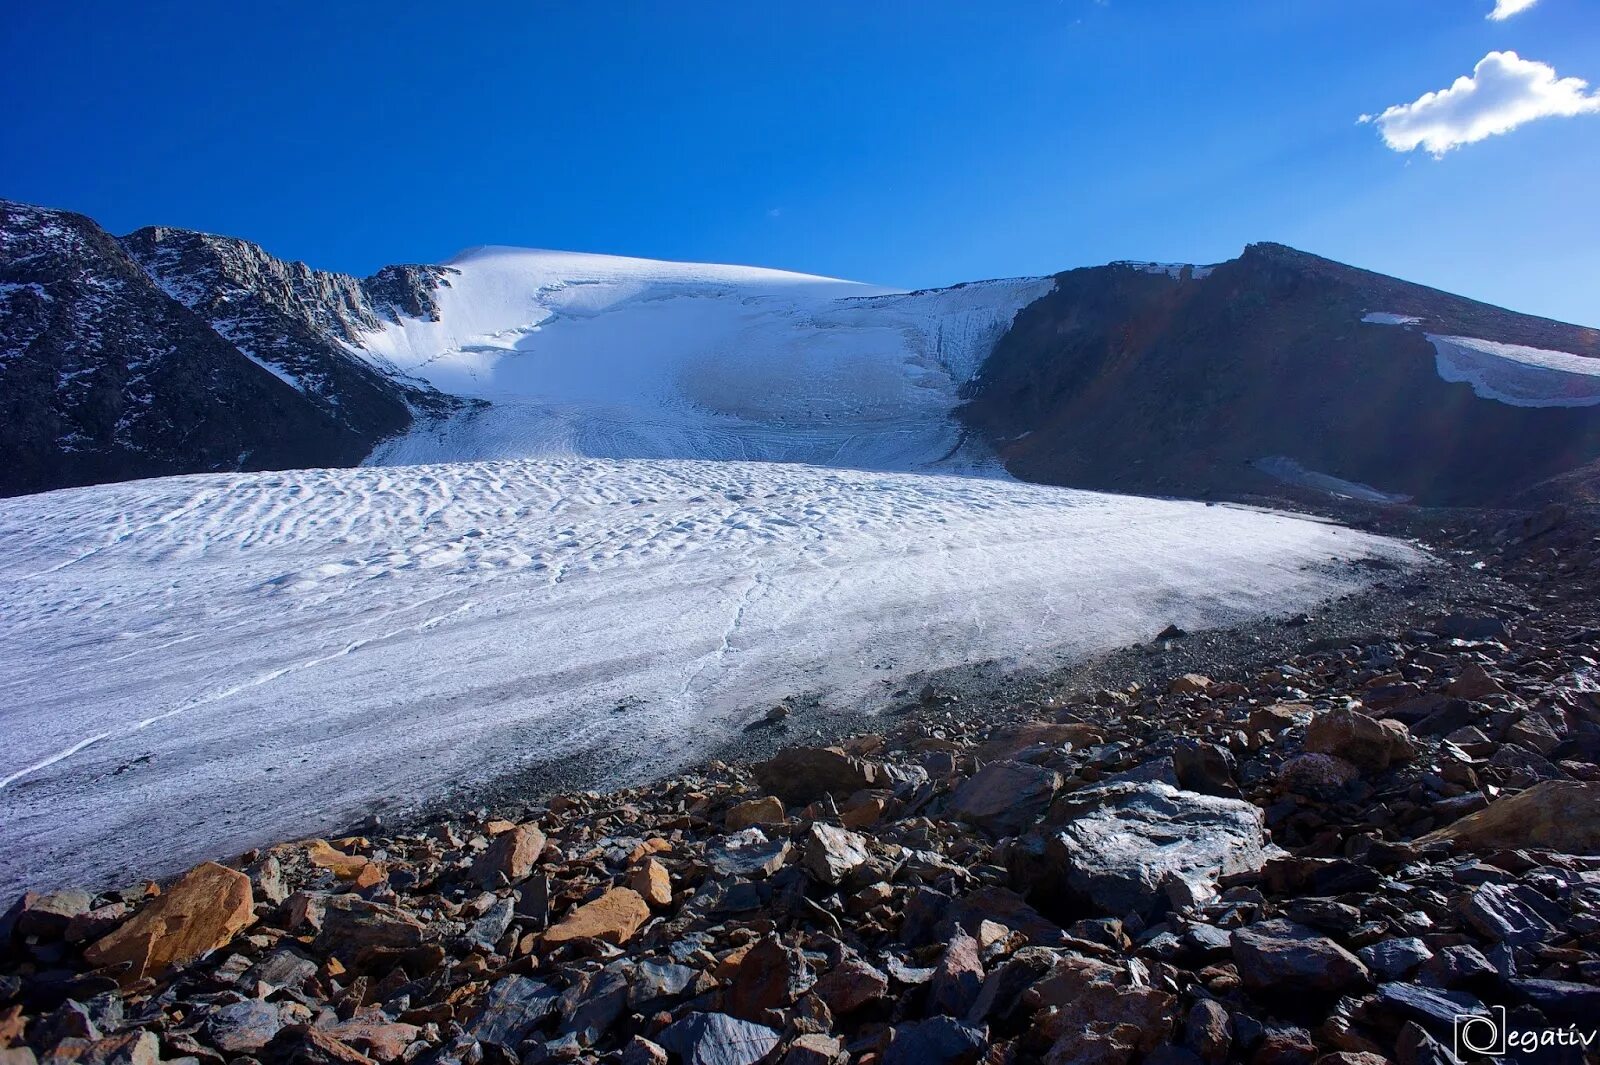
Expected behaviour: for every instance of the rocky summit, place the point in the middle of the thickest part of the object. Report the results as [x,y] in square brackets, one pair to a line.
[1331,859]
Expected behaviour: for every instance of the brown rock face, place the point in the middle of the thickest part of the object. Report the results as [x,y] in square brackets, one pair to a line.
[1362,741]
[1474,683]
[800,774]
[612,918]
[1280,957]
[766,810]
[1038,733]
[1557,815]
[511,856]
[201,912]
[653,883]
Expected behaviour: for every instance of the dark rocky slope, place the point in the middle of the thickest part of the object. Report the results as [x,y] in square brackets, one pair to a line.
[173,352]
[1138,381]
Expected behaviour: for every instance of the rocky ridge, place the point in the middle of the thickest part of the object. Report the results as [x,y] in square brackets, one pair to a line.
[299,322]
[171,352]
[1199,382]
[1330,860]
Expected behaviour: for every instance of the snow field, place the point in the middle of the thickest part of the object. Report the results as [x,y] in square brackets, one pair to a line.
[190,666]
[598,356]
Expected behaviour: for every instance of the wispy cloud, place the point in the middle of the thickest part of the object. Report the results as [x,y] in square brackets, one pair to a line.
[1504,9]
[1504,91]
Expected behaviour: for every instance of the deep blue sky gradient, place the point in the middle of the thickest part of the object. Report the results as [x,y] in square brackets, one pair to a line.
[908,143]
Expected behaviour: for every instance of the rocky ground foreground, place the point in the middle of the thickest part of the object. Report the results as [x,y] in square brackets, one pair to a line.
[1334,859]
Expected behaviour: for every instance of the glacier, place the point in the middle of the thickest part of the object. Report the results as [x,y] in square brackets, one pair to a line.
[190,666]
[610,357]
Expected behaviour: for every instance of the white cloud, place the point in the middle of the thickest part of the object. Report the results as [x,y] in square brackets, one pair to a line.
[1504,9]
[1504,92]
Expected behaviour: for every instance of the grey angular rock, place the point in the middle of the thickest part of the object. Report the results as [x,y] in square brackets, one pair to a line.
[833,853]
[718,1039]
[243,1027]
[1281,957]
[1391,959]
[936,1041]
[748,854]
[283,968]
[512,1011]
[592,1005]
[1003,798]
[1504,914]
[1122,845]
[487,930]
[656,979]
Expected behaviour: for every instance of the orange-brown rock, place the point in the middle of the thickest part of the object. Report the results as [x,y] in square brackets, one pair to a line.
[323,855]
[1474,682]
[510,856]
[1557,815]
[612,918]
[652,882]
[204,910]
[767,810]
[1188,684]
[1037,733]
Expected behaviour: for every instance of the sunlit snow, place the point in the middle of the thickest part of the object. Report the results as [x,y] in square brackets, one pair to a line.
[609,357]
[192,665]
[1510,373]
[1518,375]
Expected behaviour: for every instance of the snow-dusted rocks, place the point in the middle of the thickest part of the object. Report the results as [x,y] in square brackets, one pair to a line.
[194,664]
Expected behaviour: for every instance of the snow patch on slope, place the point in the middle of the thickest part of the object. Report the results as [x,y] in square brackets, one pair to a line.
[1517,375]
[1513,374]
[601,356]
[1290,471]
[1172,270]
[193,665]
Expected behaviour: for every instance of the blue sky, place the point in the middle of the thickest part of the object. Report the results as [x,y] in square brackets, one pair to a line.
[908,143]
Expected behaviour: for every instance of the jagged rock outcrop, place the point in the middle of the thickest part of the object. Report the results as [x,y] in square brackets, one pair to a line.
[172,352]
[296,321]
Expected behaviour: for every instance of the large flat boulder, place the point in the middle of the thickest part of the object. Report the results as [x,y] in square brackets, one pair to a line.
[204,910]
[800,774]
[1131,847]
[1556,815]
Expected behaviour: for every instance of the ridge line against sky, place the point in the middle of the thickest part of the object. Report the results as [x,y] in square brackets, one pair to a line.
[914,145]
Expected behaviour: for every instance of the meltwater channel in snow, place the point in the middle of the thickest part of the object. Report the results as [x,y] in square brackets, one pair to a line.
[610,357]
[193,665]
